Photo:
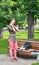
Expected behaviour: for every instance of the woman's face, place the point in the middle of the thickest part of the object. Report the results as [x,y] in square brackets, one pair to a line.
[12,21]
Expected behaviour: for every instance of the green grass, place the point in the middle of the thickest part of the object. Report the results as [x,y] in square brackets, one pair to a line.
[35,63]
[23,35]
[6,35]
[3,46]
[19,35]
[36,35]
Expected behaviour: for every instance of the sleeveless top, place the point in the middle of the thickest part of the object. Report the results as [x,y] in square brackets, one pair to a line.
[12,36]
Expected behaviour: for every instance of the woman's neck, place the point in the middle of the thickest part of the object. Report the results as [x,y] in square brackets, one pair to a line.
[11,24]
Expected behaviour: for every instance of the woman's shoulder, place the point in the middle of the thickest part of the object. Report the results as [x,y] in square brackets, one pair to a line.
[9,27]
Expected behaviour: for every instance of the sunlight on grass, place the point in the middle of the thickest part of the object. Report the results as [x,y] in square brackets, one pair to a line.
[19,35]
[22,34]
[5,34]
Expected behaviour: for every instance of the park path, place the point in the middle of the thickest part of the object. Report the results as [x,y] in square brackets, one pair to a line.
[5,60]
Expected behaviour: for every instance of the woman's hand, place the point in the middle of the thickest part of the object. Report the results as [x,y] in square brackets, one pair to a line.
[16,28]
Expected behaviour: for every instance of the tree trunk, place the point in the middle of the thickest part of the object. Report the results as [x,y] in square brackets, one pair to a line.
[1,33]
[30,25]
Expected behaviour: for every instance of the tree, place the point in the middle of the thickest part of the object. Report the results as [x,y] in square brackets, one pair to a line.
[6,12]
[9,10]
[31,7]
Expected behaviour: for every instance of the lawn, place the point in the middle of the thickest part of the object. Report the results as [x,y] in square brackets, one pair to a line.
[19,35]
[36,35]
[3,46]
[35,63]
[22,34]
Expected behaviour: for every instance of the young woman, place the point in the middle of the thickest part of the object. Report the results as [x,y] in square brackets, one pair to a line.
[12,39]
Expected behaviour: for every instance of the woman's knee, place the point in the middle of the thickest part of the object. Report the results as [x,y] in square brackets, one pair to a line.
[15,45]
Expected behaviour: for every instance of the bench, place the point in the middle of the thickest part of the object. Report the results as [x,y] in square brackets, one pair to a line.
[33,51]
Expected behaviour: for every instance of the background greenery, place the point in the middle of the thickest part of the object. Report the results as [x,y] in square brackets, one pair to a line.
[24,11]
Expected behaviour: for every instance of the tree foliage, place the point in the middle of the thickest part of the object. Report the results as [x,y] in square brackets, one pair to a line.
[6,11]
[9,9]
[18,9]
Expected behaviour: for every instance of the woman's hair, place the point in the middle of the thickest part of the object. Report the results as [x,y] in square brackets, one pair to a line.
[15,21]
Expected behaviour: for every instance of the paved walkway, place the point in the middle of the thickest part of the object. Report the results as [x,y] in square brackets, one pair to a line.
[5,60]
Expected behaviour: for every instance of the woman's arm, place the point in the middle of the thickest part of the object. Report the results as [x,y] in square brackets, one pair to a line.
[13,29]
[16,28]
